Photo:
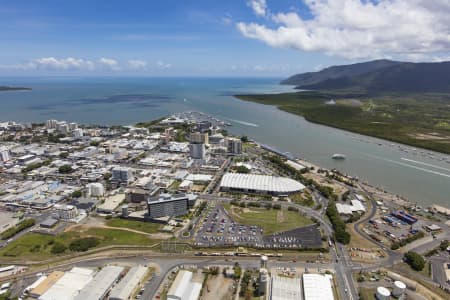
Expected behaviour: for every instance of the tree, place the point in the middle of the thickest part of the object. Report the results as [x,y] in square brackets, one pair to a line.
[58,248]
[77,194]
[84,244]
[244,139]
[65,169]
[64,154]
[414,260]
[243,170]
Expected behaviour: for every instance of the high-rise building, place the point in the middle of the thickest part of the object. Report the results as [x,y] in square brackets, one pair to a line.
[78,133]
[62,127]
[197,151]
[4,155]
[166,205]
[122,175]
[51,124]
[73,126]
[199,138]
[234,146]
[95,189]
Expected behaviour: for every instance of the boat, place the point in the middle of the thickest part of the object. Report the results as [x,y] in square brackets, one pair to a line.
[338,156]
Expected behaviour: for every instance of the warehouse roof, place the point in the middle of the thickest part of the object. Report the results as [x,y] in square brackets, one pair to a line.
[68,285]
[260,183]
[96,289]
[317,287]
[46,284]
[126,286]
[180,285]
[285,288]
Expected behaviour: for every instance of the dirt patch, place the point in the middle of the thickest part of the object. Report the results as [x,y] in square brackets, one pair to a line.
[281,216]
[218,288]
[432,136]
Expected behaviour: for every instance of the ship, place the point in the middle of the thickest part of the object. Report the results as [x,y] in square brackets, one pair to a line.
[338,156]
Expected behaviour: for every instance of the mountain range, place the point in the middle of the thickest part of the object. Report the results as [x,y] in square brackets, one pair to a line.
[378,77]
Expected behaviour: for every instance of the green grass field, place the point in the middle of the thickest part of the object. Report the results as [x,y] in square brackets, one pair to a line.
[270,221]
[417,120]
[367,294]
[33,246]
[135,225]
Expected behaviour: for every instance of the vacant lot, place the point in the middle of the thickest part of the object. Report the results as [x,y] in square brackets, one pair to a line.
[135,225]
[270,220]
[33,246]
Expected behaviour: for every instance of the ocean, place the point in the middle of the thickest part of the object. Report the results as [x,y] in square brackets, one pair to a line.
[418,175]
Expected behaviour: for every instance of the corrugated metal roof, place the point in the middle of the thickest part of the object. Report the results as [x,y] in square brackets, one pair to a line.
[285,288]
[262,183]
[126,286]
[317,287]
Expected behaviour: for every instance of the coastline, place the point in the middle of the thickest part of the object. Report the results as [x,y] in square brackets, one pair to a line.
[294,108]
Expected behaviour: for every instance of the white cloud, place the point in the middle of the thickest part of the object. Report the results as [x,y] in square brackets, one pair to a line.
[259,7]
[69,63]
[163,65]
[136,64]
[79,64]
[358,29]
[109,63]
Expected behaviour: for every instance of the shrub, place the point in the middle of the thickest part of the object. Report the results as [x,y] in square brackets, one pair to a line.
[84,244]
[58,248]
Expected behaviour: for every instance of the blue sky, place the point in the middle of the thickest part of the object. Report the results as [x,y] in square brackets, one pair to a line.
[209,37]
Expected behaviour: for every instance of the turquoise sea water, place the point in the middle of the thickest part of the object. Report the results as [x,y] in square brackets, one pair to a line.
[421,177]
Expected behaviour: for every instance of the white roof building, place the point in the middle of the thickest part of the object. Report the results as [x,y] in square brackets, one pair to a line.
[260,183]
[317,287]
[199,177]
[183,288]
[97,288]
[124,289]
[347,209]
[285,288]
[69,285]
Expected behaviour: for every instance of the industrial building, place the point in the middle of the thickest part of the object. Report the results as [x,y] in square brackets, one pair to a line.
[285,288]
[45,285]
[317,287]
[110,203]
[183,288]
[65,212]
[251,183]
[99,286]
[124,289]
[167,205]
[349,209]
[69,285]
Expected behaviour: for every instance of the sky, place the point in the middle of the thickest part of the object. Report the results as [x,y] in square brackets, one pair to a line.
[214,37]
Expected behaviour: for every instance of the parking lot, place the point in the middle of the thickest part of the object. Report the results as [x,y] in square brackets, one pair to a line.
[218,229]
[391,229]
[305,237]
